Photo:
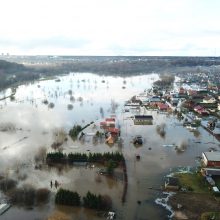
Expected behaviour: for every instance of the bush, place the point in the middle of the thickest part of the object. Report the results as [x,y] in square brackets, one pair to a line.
[92,201]
[66,197]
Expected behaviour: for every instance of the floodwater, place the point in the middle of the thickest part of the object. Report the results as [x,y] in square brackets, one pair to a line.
[27,125]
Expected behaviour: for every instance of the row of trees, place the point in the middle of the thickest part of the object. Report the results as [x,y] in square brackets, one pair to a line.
[92,201]
[165,81]
[124,66]
[59,157]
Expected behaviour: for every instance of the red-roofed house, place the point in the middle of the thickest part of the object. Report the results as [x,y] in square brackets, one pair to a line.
[113,130]
[110,119]
[200,110]
[162,107]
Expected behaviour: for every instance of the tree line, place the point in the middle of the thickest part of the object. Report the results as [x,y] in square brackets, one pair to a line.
[92,201]
[59,157]
[121,66]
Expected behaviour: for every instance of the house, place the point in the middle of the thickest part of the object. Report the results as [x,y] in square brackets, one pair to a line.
[109,122]
[200,110]
[209,99]
[113,131]
[211,159]
[154,99]
[162,106]
[216,129]
[210,172]
[189,104]
[202,91]
[109,140]
[172,183]
[174,101]
[143,119]
[110,119]
[192,92]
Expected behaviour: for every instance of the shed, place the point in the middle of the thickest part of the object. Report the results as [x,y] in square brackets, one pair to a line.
[143,119]
[172,183]
[210,180]
[215,189]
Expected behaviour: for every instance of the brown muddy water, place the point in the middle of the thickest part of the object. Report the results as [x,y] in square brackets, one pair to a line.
[27,125]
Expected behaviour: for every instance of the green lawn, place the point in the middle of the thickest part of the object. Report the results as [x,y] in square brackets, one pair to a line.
[193,181]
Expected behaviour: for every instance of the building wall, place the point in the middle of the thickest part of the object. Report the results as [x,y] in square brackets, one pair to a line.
[213,163]
[205,161]
[142,122]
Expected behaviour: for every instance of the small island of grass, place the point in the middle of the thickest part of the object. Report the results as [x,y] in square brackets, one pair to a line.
[195,198]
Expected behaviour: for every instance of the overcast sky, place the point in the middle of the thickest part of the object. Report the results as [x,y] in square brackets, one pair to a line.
[110,27]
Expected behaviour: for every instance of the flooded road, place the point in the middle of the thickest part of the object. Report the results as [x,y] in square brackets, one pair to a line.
[31,121]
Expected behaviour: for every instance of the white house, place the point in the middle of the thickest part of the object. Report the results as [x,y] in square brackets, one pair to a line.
[209,99]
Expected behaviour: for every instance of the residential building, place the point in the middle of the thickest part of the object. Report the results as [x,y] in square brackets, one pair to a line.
[211,159]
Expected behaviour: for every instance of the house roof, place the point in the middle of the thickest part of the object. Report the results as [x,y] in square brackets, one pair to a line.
[192,92]
[212,156]
[212,172]
[162,106]
[198,107]
[110,119]
[113,130]
[143,117]
[207,98]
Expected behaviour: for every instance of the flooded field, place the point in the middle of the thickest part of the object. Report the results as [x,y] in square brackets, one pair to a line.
[44,111]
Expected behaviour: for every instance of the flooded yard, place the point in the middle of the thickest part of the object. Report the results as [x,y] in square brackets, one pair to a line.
[40,112]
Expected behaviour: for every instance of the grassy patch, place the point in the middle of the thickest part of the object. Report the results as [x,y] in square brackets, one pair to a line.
[210,215]
[193,181]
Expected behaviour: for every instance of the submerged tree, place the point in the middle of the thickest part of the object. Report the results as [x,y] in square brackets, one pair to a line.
[69,106]
[161,130]
[74,132]
[51,105]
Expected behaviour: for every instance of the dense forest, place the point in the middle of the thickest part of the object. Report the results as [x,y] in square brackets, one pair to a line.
[12,73]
